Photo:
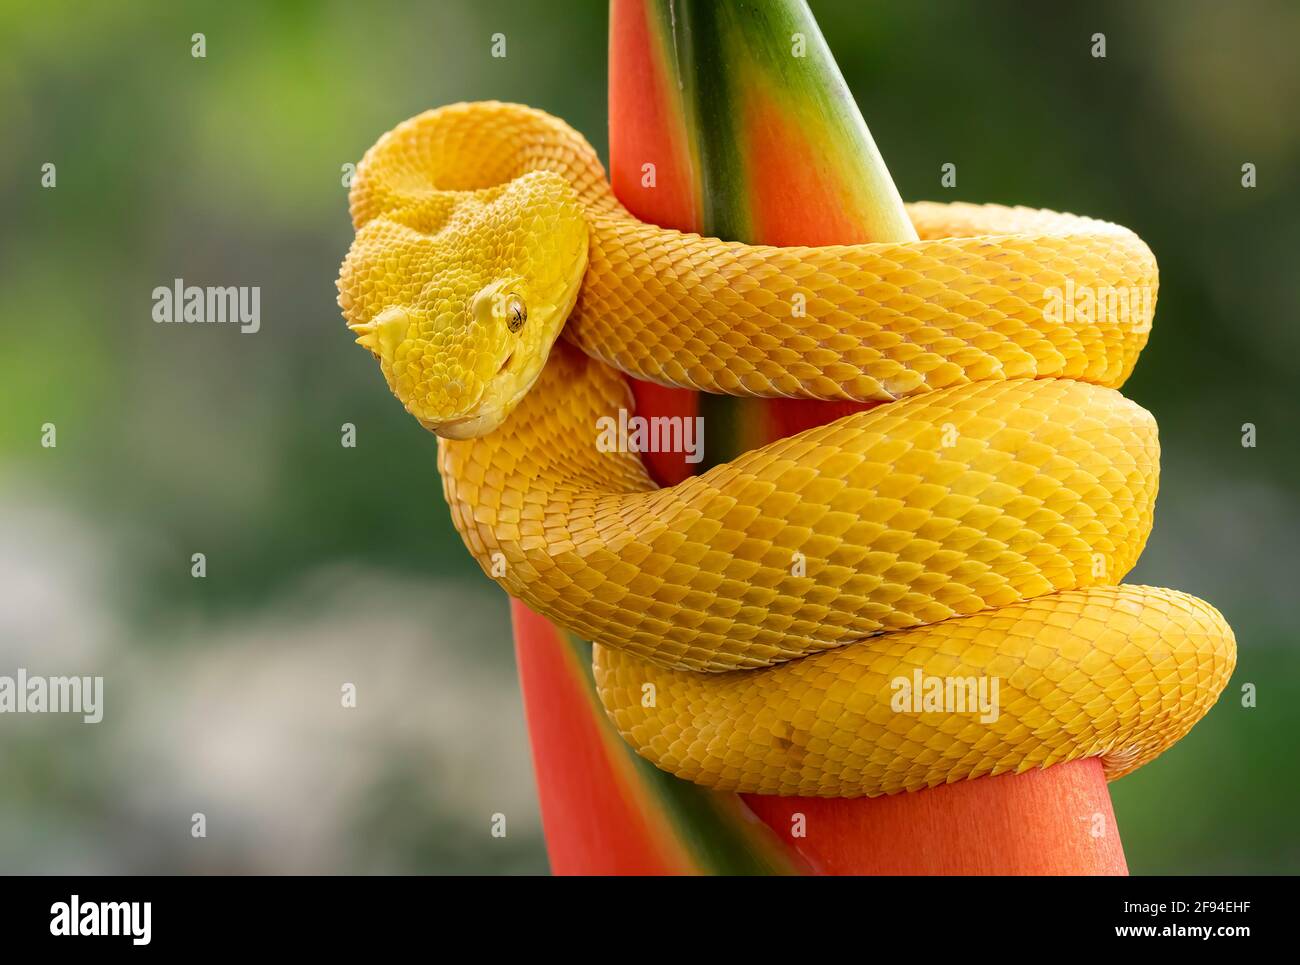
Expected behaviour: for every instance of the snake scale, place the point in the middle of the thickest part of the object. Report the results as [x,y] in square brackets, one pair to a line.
[975,525]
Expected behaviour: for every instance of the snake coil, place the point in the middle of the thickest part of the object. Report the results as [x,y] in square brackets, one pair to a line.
[973,527]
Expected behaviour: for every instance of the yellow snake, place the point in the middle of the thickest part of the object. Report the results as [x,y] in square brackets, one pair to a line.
[752,623]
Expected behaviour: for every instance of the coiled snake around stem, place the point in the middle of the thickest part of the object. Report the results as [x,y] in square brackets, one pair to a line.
[973,528]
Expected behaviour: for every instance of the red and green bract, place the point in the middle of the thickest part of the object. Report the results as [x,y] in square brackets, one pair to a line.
[753,136]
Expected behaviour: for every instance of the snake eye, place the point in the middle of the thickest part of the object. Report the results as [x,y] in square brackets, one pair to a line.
[516,313]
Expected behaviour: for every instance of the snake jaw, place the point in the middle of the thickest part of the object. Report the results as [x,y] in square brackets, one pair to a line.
[470,427]
[382,336]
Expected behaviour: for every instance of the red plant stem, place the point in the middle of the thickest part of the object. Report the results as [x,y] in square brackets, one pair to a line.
[1055,821]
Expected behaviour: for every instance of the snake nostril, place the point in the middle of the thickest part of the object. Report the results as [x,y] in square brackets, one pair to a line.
[506,362]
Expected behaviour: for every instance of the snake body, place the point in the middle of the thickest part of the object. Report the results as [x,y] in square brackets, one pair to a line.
[752,623]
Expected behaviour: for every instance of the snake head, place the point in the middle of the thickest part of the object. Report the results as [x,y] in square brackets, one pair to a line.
[461,294]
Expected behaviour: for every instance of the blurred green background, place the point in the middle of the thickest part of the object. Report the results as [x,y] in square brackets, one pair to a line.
[329,565]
